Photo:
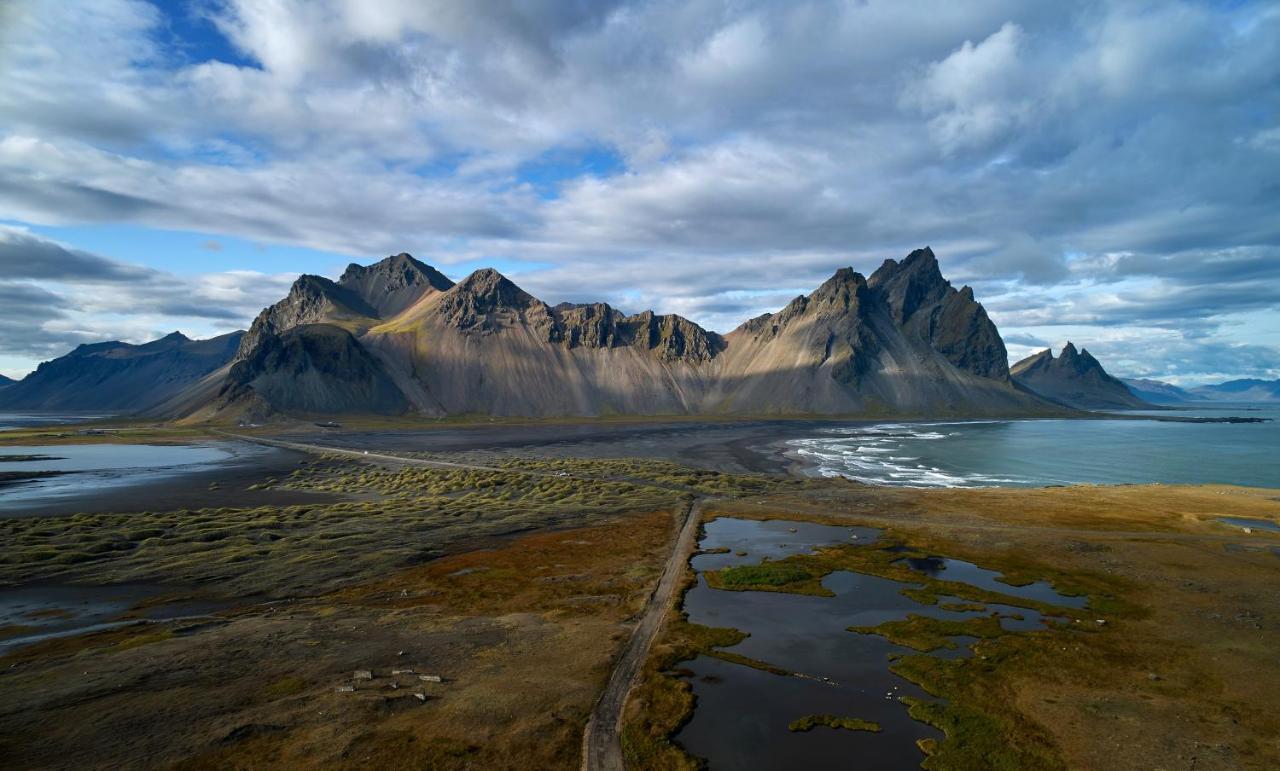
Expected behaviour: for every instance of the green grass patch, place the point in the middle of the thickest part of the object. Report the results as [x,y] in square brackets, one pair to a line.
[810,722]
[929,634]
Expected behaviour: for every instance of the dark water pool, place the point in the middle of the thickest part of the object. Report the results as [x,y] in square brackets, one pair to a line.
[742,714]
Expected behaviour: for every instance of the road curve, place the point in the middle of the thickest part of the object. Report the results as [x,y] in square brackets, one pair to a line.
[601,744]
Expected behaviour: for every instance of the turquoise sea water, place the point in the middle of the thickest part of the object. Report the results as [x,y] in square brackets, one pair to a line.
[1053,452]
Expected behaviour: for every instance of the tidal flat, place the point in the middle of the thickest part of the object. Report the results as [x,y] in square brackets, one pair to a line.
[251,627]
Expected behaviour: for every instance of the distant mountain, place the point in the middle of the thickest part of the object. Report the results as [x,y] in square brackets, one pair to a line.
[5,382]
[398,336]
[117,376]
[1241,391]
[1159,392]
[1075,379]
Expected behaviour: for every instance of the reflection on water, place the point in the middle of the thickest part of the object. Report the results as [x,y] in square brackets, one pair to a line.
[14,420]
[741,714]
[946,569]
[90,466]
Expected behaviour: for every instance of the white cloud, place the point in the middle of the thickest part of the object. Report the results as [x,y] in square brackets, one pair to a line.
[764,144]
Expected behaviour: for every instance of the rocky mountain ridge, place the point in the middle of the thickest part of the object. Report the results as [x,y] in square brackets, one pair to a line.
[1075,379]
[398,336]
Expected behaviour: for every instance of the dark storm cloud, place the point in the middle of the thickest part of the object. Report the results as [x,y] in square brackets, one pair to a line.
[24,255]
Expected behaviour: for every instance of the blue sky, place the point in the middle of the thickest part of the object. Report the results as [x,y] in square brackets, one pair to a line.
[1098,171]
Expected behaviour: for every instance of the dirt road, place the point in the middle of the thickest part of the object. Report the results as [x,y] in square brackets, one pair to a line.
[601,746]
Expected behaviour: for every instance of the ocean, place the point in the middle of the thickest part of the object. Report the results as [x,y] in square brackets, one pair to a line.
[1037,453]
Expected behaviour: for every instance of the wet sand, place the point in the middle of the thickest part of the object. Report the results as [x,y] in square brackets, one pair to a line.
[730,447]
[224,484]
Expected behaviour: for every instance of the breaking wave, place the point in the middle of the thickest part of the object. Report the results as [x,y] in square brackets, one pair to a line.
[890,454]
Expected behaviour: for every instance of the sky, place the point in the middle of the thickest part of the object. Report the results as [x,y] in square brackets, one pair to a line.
[1103,172]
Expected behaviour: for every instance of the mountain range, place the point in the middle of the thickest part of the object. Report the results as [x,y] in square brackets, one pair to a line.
[1248,390]
[399,337]
[119,377]
[1075,379]
[1159,392]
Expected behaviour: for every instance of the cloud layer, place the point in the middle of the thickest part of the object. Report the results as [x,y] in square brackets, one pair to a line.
[1107,168]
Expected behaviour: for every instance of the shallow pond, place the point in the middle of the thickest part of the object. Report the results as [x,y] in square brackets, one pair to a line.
[75,468]
[742,714]
[1252,524]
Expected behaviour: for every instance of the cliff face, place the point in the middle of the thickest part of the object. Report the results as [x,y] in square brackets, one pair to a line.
[902,341]
[1075,379]
[925,305]
[117,376]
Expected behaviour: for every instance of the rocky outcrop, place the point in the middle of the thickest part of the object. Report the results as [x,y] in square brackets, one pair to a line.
[668,337]
[312,369]
[1075,379]
[119,377]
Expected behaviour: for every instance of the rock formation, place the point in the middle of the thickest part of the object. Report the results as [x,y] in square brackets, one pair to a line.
[1075,379]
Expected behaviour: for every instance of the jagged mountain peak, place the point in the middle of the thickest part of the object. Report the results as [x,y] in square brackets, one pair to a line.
[482,297]
[394,283]
[910,285]
[1074,378]
[845,291]
[489,284]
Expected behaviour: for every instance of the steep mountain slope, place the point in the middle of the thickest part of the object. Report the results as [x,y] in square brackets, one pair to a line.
[1247,390]
[120,377]
[904,340]
[487,346]
[1159,392]
[398,336]
[1075,379]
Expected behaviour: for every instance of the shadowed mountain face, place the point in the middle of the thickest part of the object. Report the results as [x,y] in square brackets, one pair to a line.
[1159,392]
[1075,379]
[5,382]
[117,376]
[398,336]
